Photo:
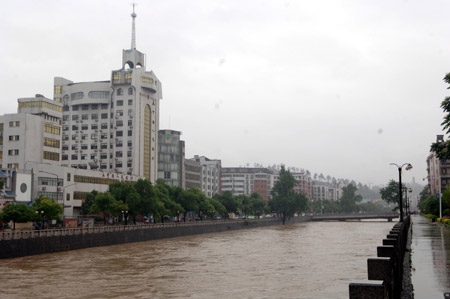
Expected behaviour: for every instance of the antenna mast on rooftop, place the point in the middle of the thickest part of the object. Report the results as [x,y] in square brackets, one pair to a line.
[133,29]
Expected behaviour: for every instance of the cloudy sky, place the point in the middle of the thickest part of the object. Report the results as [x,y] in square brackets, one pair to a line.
[341,88]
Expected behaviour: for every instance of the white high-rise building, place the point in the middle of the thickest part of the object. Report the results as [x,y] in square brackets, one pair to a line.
[112,125]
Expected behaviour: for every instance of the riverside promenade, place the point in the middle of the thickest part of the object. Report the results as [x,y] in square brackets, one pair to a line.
[430,259]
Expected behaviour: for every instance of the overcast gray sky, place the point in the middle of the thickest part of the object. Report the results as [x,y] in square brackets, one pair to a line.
[341,88]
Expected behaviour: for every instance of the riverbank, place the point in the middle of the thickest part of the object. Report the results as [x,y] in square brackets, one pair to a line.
[24,243]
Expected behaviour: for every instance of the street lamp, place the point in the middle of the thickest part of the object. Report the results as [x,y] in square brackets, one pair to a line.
[125,216]
[57,183]
[408,167]
[41,217]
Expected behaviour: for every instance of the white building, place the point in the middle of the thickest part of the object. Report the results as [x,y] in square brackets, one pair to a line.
[210,175]
[90,135]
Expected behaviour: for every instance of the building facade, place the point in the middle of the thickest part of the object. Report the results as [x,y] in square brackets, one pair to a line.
[171,158]
[438,172]
[210,175]
[192,174]
[245,180]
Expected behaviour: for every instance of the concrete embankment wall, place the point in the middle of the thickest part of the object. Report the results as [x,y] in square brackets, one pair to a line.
[48,244]
[385,272]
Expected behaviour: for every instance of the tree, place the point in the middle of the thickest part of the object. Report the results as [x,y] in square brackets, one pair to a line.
[52,210]
[442,149]
[17,212]
[87,203]
[390,193]
[257,204]
[230,202]
[106,204]
[349,200]
[285,200]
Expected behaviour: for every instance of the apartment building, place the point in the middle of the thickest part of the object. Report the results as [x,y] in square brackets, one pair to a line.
[438,171]
[171,158]
[210,175]
[245,180]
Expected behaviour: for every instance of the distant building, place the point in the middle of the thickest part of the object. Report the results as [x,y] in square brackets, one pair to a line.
[245,180]
[325,191]
[193,170]
[438,171]
[210,175]
[171,158]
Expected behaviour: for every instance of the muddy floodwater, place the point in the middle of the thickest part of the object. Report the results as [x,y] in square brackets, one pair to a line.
[305,260]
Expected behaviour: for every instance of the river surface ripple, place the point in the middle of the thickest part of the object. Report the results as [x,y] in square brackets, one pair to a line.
[305,260]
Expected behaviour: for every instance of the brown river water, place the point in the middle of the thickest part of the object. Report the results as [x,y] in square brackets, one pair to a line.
[304,260]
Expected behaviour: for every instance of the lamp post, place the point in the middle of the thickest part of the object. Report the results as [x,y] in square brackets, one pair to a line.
[125,216]
[57,183]
[41,216]
[408,167]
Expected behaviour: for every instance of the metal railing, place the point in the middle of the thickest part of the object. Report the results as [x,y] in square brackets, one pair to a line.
[25,234]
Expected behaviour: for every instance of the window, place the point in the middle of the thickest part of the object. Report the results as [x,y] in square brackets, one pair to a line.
[74,147]
[66,108]
[130,112]
[51,142]
[130,133]
[94,136]
[104,115]
[84,136]
[13,165]
[75,117]
[128,75]
[98,94]
[119,143]
[119,123]
[119,92]
[51,156]
[104,146]
[75,108]
[147,80]
[84,116]
[104,106]
[119,133]
[65,137]
[130,90]
[65,117]
[58,89]
[14,138]
[83,157]
[13,124]
[130,102]
[103,156]
[119,102]
[94,116]
[129,154]
[84,146]
[119,154]
[74,127]
[118,164]
[104,126]
[119,113]
[52,129]
[104,136]
[84,107]
[84,127]
[74,157]
[77,96]
[93,156]
[130,122]
[65,157]
[94,146]
[116,76]
[94,126]
[94,106]
[130,143]
[13,152]
[65,147]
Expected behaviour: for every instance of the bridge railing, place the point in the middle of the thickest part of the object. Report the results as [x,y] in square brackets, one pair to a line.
[24,234]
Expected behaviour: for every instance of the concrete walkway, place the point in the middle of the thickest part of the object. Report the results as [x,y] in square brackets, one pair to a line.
[430,246]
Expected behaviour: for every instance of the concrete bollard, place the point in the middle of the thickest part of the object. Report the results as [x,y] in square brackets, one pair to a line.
[385,251]
[381,269]
[368,289]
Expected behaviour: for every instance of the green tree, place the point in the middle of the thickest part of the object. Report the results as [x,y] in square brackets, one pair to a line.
[230,202]
[442,149]
[218,207]
[285,201]
[87,203]
[106,204]
[390,193]
[349,200]
[17,212]
[257,204]
[52,210]
[430,205]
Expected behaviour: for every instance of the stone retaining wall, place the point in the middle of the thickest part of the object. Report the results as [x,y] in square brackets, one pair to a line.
[10,248]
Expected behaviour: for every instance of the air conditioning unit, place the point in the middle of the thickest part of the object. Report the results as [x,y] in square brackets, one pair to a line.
[76,151]
[131,116]
[96,120]
[44,188]
[97,130]
[131,127]
[78,131]
[59,189]
[96,150]
[78,121]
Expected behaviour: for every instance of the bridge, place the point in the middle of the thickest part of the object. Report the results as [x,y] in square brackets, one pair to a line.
[349,217]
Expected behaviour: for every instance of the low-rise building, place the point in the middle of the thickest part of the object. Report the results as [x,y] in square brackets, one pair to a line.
[210,175]
[246,180]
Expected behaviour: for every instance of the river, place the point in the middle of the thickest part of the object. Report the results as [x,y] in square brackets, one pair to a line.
[304,260]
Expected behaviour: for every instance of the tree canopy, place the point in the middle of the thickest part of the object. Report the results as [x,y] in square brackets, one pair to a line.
[442,149]
[17,212]
[285,201]
[349,200]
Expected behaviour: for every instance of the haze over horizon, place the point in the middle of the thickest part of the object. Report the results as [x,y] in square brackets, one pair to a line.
[340,88]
